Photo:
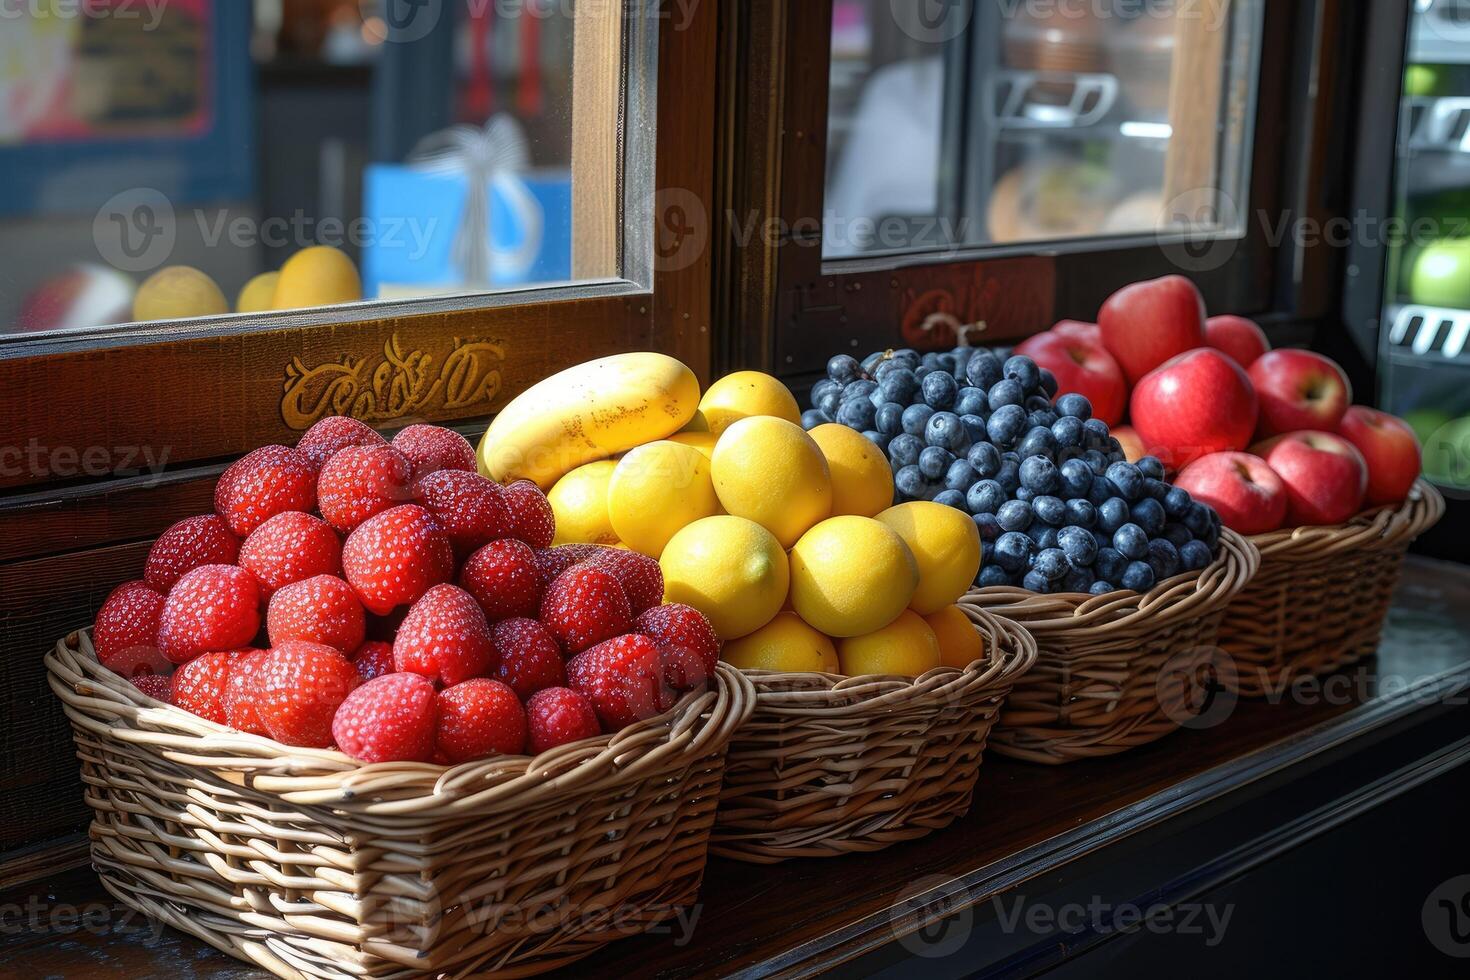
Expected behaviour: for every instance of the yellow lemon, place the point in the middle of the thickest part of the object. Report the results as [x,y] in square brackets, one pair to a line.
[906,647]
[731,569]
[743,395]
[656,490]
[703,441]
[697,423]
[960,643]
[862,479]
[178,291]
[786,644]
[579,501]
[851,575]
[259,293]
[769,471]
[317,276]
[945,543]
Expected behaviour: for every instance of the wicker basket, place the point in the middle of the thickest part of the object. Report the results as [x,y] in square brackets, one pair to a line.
[1319,601]
[1119,670]
[311,864]
[829,765]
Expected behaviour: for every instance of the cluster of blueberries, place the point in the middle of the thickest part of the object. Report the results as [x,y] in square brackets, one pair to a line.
[1059,507]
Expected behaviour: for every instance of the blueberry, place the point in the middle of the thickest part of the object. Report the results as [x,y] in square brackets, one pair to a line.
[1050,562]
[828,401]
[1195,556]
[1045,537]
[993,576]
[971,401]
[946,431]
[1097,460]
[974,427]
[1043,418]
[1102,491]
[988,526]
[1112,515]
[1009,476]
[1014,515]
[984,370]
[1076,478]
[1026,494]
[945,363]
[1114,451]
[961,476]
[1155,489]
[822,388]
[1151,467]
[986,497]
[1067,431]
[878,439]
[1004,394]
[859,390]
[916,419]
[934,462]
[844,369]
[1137,577]
[904,450]
[1040,474]
[1163,558]
[950,498]
[962,357]
[1038,583]
[873,362]
[1127,479]
[1131,542]
[940,390]
[909,483]
[1077,580]
[1024,372]
[812,418]
[898,384]
[1177,534]
[1197,519]
[1149,515]
[907,356]
[1078,545]
[930,359]
[1052,510]
[1101,587]
[1038,442]
[1176,502]
[857,413]
[1074,406]
[1110,564]
[1006,426]
[1013,551]
[1039,403]
[1048,383]
[1095,434]
[1081,513]
[889,419]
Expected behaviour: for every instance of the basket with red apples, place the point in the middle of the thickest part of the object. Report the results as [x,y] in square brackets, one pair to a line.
[1329,492]
[364,713]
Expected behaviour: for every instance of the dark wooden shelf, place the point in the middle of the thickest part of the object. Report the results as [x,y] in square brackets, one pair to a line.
[1269,776]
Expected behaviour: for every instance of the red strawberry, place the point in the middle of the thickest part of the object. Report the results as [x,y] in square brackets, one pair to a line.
[388,719]
[394,558]
[531,514]
[502,578]
[126,633]
[470,508]
[288,548]
[240,692]
[321,441]
[444,637]
[194,541]
[373,659]
[639,575]
[269,481]
[199,686]
[159,687]
[584,606]
[213,607]
[478,718]
[322,609]
[529,657]
[551,562]
[686,641]
[624,679]
[299,688]
[360,481]
[559,715]
[433,448]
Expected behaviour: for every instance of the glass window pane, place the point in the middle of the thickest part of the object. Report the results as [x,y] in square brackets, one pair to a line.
[1001,122]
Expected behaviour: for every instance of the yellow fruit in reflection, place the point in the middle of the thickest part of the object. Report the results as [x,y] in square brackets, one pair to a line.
[960,643]
[178,291]
[785,644]
[945,543]
[657,490]
[317,276]
[703,441]
[746,394]
[579,501]
[730,569]
[769,471]
[259,293]
[906,647]
[862,479]
[851,575]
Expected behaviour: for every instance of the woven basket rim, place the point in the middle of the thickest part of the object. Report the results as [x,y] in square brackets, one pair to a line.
[1380,528]
[837,695]
[700,723]
[1176,600]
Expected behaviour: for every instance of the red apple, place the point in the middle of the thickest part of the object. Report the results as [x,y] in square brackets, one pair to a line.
[1127,437]
[1145,324]
[1089,332]
[1242,339]
[1248,494]
[1326,477]
[1299,390]
[1081,368]
[1390,449]
[1198,403]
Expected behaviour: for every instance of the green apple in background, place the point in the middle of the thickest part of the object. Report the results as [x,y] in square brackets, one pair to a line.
[1426,422]
[1423,80]
[1441,274]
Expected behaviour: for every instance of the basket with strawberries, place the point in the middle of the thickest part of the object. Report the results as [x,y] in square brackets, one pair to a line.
[365,718]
